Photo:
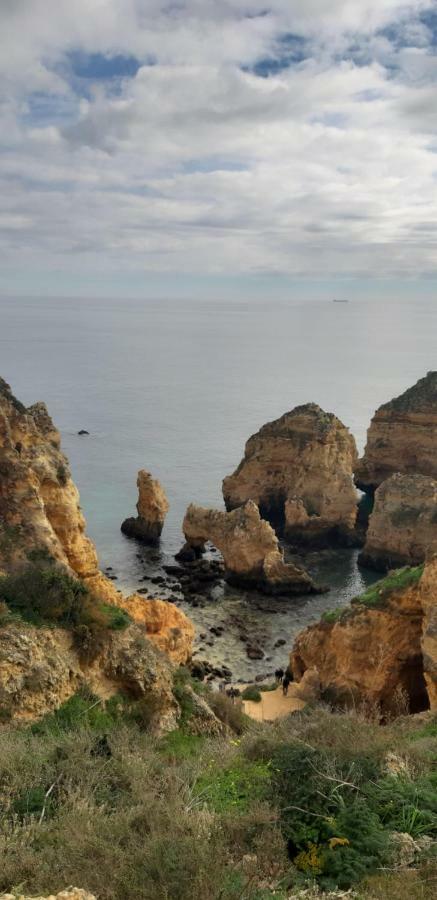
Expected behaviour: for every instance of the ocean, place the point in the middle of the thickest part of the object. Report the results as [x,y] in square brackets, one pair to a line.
[177,387]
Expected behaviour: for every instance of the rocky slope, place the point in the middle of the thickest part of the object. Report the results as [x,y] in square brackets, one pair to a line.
[403,524]
[402,437]
[69,894]
[298,470]
[40,513]
[152,508]
[382,649]
[249,546]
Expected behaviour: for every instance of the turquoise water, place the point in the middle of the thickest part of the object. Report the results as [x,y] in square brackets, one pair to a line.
[177,387]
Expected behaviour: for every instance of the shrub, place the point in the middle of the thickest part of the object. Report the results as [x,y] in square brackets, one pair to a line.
[253,693]
[229,712]
[377,594]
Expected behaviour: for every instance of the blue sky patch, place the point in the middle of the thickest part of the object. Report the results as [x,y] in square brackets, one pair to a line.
[97,67]
[290,50]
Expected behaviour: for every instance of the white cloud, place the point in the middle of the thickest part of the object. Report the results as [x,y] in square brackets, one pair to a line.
[196,164]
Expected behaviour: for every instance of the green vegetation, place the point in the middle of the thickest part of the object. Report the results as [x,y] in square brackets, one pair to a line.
[91,797]
[332,616]
[253,693]
[43,594]
[377,594]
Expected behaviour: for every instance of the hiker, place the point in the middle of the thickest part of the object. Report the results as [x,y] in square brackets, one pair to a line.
[279,674]
[285,682]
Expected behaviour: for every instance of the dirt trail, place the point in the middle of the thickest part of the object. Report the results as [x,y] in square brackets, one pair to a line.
[273,705]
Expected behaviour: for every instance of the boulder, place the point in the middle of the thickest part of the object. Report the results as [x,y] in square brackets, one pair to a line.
[152,508]
[380,651]
[298,470]
[250,549]
[403,524]
[402,437]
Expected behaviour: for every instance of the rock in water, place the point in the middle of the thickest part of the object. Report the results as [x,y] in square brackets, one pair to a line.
[250,549]
[152,508]
[381,650]
[402,437]
[403,524]
[298,470]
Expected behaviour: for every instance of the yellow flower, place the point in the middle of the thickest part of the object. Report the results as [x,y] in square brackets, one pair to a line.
[310,860]
[338,842]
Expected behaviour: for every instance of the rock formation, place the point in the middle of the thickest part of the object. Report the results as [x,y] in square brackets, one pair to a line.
[69,894]
[40,514]
[382,650]
[40,668]
[152,508]
[298,470]
[403,524]
[402,437]
[249,546]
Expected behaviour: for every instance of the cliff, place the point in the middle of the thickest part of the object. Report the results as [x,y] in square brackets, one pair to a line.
[403,524]
[381,650]
[298,470]
[249,546]
[41,517]
[402,437]
[152,508]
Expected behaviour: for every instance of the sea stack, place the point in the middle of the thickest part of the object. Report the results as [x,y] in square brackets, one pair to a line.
[250,549]
[403,524]
[152,508]
[402,437]
[299,471]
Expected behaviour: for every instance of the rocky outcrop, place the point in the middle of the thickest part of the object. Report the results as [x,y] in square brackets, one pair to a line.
[69,894]
[402,437]
[249,546]
[298,470]
[40,515]
[40,668]
[403,524]
[152,508]
[382,650]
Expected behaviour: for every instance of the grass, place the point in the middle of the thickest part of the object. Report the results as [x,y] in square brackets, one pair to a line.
[89,797]
[377,594]
[253,693]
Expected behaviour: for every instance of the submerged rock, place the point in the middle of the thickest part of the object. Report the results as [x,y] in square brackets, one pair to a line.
[250,549]
[402,437]
[403,524]
[298,470]
[380,651]
[152,508]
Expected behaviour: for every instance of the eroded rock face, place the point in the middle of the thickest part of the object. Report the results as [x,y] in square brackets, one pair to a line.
[40,668]
[298,470]
[249,546]
[152,508]
[403,524]
[69,894]
[402,437]
[40,513]
[379,655]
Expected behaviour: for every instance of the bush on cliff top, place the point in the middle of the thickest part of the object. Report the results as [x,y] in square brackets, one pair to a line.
[45,595]
[399,580]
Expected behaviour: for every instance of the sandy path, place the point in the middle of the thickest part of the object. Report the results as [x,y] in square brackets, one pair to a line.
[273,705]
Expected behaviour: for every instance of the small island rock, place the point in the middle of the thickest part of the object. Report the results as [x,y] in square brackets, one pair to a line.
[152,508]
[299,470]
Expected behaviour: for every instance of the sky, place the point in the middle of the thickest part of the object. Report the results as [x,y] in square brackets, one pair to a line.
[218,147]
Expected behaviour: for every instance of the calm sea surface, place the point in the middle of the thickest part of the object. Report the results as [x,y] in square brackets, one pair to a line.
[178,387]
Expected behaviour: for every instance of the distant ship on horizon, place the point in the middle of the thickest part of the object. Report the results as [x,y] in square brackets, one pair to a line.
[335,300]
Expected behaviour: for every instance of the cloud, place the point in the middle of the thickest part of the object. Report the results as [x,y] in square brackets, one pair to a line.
[219,138]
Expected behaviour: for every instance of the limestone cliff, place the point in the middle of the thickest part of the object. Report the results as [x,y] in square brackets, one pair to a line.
[249,546]
[402,437]
[68,894]
[382,649]
[298,470]
[152,508]
[403,524]
[40,668]
[40,513]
